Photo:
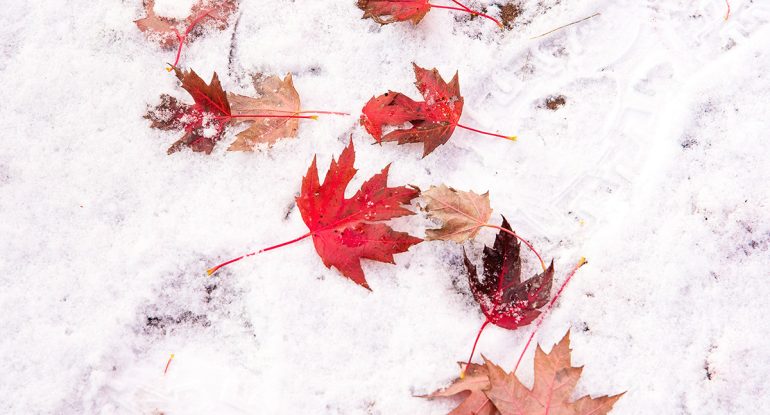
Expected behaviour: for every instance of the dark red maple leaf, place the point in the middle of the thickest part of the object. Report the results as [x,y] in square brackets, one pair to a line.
[344,231]
[433,121]
[389,11]
[505,300]
[203,122]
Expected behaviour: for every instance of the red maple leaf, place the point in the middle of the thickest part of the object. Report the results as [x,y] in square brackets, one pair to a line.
[433,121]
[203,122]
[344,231]
[389,11]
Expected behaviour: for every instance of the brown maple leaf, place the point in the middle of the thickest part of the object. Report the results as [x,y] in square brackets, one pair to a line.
[462,213]
[169,31]
[472,386]
[492,391]
[555,380]
[277,97]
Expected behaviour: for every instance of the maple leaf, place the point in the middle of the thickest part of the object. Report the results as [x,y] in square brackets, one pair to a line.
[203,122]
[555,380]
[462,213]
[274,115]
[167,30]
[433,121]
[343,230]
[492,391]
[389,11]
[277,97]
[472,385]
[505,300]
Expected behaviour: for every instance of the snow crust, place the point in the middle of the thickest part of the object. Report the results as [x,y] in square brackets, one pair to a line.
[656,169]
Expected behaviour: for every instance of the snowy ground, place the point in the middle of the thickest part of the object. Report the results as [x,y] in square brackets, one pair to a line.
[656,169]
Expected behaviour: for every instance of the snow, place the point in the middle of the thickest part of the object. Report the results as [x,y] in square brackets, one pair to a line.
[655,169]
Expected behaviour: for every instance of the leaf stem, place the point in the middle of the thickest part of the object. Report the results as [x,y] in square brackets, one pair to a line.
[168,363]
[183,38]
[550,306]
[464,8]
[302,117]
[478,336]
[507,137]
[524,241]
[211,271]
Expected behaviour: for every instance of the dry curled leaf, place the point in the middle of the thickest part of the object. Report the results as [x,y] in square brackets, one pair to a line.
[462,213]
[555,380]
[277,97]
[167,30]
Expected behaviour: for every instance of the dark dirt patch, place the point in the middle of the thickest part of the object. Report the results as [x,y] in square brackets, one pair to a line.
[509,12]
[554,102]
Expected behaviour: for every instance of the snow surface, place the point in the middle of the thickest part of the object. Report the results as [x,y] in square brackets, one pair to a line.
[656,170]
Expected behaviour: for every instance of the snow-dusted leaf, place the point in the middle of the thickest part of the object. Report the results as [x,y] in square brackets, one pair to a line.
[505,300]
[462,213]
[168,30]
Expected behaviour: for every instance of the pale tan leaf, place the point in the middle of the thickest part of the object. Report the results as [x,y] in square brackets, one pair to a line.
[276,96]
[555,380]
[472,386]
[462,213]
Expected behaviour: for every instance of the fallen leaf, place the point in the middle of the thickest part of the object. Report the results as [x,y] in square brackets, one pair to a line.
[462,213]
[274,113]
[504,299]
[203,123]
[555,380]
[432,121]
[167,30]
[344,230]
[472,386]
[277,97]
[389,11]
